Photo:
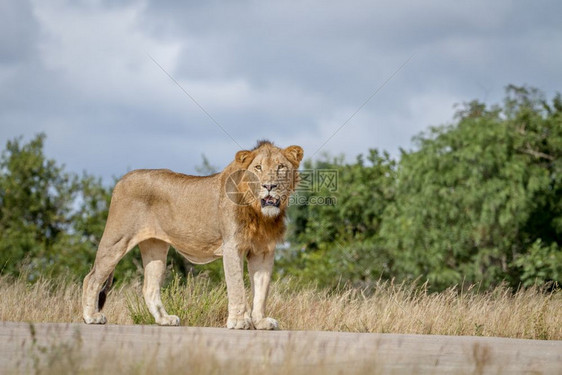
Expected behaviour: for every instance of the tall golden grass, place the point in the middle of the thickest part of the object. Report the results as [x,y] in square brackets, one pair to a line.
[388,308]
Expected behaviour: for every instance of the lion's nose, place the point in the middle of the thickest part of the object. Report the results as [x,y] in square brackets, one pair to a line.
[269,187]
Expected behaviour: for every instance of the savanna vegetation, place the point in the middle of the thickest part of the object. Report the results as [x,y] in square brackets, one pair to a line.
[388,307]
[473,211]
[477,201]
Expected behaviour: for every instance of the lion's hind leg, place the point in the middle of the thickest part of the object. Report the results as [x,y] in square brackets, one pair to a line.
[154,254]
[97,282]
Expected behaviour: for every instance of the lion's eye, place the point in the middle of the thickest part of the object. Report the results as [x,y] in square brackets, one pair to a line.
[258,167]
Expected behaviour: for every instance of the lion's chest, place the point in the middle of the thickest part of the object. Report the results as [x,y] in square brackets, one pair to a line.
[259,237]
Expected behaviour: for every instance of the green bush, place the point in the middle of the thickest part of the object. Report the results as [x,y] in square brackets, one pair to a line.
[477,201]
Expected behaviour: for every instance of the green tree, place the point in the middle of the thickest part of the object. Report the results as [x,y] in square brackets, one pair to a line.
[50,220]
[482,197]
[479,200]
[35,197]
[336,218]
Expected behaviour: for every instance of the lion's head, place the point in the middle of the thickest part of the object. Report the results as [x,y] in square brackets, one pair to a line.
[266,176]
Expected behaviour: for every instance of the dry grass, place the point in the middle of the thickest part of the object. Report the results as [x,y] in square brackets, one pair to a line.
[54,300]
[402,308]
[389,308]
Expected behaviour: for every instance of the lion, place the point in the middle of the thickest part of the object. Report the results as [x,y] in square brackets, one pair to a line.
[236,214]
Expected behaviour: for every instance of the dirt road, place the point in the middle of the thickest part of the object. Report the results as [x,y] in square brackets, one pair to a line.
[26,348]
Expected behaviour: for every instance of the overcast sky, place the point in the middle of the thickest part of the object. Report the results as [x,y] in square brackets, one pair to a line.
[93,75]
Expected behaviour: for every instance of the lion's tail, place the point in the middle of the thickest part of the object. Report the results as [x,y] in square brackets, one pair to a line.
[104,291]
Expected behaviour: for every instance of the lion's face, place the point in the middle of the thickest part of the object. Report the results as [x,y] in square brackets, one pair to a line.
[271,176]
[276,181]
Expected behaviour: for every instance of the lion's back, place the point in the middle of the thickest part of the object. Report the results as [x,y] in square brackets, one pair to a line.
[149,184]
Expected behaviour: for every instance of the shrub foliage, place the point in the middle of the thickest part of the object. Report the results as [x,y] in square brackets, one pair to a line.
[476,201]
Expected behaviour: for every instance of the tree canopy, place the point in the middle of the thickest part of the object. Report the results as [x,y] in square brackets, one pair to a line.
[476,201]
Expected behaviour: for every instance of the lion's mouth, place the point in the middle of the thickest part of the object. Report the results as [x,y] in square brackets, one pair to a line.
[269,201]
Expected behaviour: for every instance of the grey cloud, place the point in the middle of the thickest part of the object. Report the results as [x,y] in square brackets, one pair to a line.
[289,71]
[18,30]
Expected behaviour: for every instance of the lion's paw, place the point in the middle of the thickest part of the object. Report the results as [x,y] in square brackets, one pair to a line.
[267,324]
[169,320]
[233,323]
[96,318]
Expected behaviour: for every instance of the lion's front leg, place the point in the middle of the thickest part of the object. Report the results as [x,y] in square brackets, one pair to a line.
[238,315]
[260,267]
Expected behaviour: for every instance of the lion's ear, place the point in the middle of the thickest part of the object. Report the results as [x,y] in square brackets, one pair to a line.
[242,156]
[294,154]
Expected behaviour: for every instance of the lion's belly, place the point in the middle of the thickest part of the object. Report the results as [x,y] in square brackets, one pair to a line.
[198,252]
[199,260]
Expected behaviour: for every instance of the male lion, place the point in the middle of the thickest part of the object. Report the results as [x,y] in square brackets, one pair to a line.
[237,213]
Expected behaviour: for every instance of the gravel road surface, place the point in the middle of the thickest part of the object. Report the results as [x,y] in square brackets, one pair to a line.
[25,345]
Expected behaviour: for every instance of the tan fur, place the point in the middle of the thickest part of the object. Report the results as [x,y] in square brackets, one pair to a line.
[203,218]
